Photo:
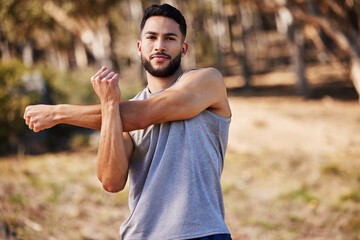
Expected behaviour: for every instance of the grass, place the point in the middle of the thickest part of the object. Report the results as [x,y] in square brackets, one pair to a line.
[57,196]
[267,196]
[292,195]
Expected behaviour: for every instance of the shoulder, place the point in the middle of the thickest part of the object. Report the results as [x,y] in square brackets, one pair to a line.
[209,76]
[209,72]
[208,83]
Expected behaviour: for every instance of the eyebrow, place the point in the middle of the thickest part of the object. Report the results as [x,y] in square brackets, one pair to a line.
[166,34]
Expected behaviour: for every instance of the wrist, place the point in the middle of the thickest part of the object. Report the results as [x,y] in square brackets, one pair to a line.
[109,110]
[109,104]
[57,112]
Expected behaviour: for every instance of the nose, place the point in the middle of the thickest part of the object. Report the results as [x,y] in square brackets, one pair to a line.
[160,46]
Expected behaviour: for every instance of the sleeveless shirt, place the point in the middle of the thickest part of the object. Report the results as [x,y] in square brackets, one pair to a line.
[174,178]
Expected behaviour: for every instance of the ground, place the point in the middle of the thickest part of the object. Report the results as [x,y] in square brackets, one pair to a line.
[292,171]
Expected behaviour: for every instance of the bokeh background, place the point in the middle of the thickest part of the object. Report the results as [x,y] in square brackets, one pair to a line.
[292,70]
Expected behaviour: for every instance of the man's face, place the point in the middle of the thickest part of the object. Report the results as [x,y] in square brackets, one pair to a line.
[161,46]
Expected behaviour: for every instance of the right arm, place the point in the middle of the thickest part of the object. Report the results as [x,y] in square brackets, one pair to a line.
[40,117]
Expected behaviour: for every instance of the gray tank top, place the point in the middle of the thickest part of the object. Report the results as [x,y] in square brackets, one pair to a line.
[174,178]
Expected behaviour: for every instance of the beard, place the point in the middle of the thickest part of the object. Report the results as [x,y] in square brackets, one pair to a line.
[164,72]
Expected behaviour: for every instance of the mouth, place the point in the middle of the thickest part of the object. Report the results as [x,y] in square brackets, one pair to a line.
[160,56]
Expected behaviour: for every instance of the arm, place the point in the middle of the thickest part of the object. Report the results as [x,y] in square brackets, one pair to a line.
[196,91]
[114,147]
[40,117]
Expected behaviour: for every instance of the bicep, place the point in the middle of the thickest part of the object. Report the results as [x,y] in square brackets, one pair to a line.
[187,98]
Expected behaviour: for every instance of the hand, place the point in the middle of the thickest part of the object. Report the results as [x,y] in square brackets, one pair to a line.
[40,117]
[105,84]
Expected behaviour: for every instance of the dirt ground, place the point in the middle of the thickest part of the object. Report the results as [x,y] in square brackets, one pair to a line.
[292,171]
[297,167]
[293,124]
[296,161]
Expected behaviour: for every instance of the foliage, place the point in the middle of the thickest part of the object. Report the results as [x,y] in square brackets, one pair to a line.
[13,100]
[63,42]
[21,86]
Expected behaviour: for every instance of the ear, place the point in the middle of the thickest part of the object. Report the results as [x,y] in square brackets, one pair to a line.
[184,49]
[139,47]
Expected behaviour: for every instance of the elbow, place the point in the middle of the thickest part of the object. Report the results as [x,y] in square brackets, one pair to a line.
[114,187]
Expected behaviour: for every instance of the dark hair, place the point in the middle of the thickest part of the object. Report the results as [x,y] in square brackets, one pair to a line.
[165,10]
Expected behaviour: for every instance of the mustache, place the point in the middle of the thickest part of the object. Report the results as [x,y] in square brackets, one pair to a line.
[160,54]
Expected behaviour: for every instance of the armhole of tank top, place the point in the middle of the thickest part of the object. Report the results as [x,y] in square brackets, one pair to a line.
[191,69]
[217,117]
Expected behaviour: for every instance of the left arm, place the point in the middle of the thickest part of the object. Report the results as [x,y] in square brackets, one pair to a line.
[196,91]
[114,147]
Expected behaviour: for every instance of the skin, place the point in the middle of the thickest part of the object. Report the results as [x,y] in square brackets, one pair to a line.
[195,91]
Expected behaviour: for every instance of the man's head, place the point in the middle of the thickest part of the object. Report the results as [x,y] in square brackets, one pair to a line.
[163,30]
[165,10]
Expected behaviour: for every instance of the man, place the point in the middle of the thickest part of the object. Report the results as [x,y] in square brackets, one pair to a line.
[171,137]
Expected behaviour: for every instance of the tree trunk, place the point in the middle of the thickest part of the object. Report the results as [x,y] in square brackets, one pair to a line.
[190,59]
[27,54]
[80,54]
[101,44]
[221,30]
[245,23]
[135,7]
[5,51]
[62,59]
[285,24]
[297,48]
[355,67]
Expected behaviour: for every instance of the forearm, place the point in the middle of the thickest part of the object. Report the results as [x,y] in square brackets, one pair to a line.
[131,115]
[87,116]
[112,164]
[90,116]
[40,117]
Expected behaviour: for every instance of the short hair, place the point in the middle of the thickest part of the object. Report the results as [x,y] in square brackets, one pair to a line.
[165,10]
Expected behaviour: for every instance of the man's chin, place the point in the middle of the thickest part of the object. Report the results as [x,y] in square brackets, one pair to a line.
[160,73]
[159,68]
[162,68]
[160,64]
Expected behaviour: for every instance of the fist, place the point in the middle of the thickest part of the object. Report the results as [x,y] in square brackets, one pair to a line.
[105,84]
[40,117]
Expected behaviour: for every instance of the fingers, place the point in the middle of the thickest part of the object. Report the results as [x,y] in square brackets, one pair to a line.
[26,115]
[98,73]
[115,79]
[109,76]
[28,121]
[33,126]
[103,75]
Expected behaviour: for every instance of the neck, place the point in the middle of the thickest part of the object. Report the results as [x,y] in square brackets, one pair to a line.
[156,84]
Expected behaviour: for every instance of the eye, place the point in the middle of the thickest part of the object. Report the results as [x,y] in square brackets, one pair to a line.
[170,38]
[151,37]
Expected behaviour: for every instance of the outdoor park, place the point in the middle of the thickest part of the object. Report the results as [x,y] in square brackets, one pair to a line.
[292,71]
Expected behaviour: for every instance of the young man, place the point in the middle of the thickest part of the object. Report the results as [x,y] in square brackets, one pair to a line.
[171,138]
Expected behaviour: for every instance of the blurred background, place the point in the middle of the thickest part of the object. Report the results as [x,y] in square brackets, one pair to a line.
[292,70]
